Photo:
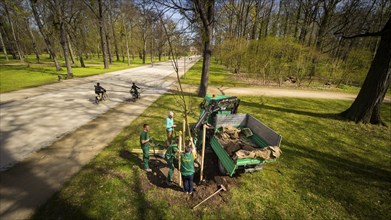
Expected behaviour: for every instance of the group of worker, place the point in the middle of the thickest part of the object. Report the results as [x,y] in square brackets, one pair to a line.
[172,154]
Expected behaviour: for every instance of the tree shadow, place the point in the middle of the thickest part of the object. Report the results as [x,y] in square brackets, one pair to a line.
[335,116]
[339,179]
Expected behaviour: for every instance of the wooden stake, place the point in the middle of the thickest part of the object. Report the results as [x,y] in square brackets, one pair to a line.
[179,159]
[203,151]
[184,133]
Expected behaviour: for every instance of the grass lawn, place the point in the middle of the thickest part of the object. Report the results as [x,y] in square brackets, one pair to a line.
[15,76]
[219,75]
[329,169]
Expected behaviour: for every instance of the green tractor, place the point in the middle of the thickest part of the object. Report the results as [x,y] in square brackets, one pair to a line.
[221,111]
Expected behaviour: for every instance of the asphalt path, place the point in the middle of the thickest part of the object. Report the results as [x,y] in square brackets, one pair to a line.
[48,133]
[33,123]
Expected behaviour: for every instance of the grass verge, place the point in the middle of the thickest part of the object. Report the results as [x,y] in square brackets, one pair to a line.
[15,75]
[330,169]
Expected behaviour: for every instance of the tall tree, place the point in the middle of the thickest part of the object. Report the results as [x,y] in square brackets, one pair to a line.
[206,12]
[59,10]
[99,15]
[366,107]
[45,35]
[16,40]
[35,46]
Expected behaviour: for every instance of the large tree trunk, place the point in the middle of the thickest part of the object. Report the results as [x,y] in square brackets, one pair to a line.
[44,35]
[206,12]
[205,69]
[102,32]
[366,107]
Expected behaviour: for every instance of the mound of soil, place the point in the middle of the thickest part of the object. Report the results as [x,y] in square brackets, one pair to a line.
[211,183]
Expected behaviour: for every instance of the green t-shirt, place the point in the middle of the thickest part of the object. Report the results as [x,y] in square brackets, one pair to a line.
[187,164]
[144,136]
[171,151]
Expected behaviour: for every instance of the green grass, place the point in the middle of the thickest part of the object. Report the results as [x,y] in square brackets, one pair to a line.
[15,75]
[219,75]
[329,169]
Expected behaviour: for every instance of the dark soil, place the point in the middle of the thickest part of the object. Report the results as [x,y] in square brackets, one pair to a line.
[212,181]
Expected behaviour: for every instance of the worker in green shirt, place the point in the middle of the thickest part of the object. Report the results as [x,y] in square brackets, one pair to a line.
[144,141]
[187,167]
[171,159]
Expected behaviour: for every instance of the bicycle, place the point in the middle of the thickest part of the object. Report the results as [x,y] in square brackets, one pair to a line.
[101,97]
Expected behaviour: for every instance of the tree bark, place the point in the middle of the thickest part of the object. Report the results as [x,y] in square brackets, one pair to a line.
[206,12]
[36,51]
[69,43]
[102,33]
[64,39]
[126,41]
[366,107]
[114,34]
[16,40]
[44,35]
[3,45]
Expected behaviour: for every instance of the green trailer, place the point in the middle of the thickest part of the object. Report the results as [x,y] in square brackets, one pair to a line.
[262,136]
[219,111]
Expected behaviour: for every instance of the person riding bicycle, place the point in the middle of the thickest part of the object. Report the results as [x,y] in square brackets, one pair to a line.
[134,90]
[99,90]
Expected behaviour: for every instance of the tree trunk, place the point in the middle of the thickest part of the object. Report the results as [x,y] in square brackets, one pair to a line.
[269,13]
[206,12]
[64,44]
[102,32]
[126,42]
[70,49]
[36,51]
[46,38]
[366,107]
[3,45]
[114,34]
[16,40]
[144,52]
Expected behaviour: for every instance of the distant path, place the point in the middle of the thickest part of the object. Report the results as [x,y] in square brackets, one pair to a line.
[62,121]
[277,92]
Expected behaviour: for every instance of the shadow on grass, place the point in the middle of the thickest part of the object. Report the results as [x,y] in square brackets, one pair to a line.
[61,210]
[156,177]
[342,180]
[293,111]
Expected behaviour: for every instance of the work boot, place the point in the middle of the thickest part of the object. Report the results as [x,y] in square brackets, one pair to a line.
[148,170]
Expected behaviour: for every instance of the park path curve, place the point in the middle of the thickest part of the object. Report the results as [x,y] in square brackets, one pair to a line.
[48,133]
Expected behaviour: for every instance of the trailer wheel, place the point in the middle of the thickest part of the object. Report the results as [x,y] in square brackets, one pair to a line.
[222,169]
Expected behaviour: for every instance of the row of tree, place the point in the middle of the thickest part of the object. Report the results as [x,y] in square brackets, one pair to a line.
[78,29]
[333,28]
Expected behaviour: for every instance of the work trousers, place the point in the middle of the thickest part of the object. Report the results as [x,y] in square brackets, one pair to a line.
[188,183]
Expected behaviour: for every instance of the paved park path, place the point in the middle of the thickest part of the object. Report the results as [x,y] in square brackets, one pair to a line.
[48,133]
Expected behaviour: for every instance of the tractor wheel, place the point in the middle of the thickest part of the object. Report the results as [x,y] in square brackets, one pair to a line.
[222,169]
